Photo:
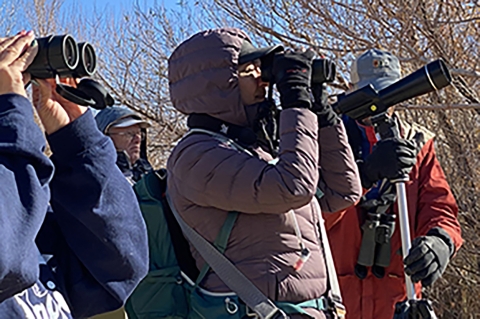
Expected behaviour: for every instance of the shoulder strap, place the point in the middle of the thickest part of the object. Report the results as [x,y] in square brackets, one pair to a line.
[334,293]
[152,185]
[220,242]
[228,273]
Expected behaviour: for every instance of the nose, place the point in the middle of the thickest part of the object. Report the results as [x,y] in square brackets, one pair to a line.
[137,138]
[258,76]
[261,83]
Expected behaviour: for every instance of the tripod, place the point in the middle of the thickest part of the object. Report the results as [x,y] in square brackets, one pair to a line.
[412,308]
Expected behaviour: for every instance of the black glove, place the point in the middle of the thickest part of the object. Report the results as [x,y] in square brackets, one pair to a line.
[429,256]
[292,73]
[321,107]
[391,158]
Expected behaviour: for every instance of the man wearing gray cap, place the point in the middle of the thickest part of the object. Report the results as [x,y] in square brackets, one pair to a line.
[365,242]
[128,133]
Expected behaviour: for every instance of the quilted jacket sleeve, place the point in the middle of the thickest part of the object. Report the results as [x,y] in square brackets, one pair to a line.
[339,179]
[210,173]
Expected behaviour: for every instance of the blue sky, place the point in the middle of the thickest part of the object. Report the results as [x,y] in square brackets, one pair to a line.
[125,4]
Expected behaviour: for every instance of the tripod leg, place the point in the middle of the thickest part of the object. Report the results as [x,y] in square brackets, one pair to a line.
[405,232]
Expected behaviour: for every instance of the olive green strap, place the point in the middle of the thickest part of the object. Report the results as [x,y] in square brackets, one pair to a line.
[291,308]
[220,242]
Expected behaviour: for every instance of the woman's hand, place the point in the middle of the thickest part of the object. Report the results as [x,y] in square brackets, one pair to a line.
[54,111]
[16,54]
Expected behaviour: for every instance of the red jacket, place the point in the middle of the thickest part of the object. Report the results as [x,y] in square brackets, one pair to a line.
[430,204]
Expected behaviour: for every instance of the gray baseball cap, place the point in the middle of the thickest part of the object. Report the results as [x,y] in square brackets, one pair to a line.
[376,67]
[118,117]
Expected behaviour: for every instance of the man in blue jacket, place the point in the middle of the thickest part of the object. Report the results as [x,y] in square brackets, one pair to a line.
[73,242]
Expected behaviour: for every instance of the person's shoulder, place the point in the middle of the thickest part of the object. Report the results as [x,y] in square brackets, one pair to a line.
[414,131]
[199,141]
[210,147]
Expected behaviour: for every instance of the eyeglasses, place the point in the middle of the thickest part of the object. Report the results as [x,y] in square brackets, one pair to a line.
[250,69]
[130,135]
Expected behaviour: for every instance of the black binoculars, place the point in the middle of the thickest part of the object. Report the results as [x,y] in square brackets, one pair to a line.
[366,101]
[375,250]
[377,229]
[61,55]
[323,70]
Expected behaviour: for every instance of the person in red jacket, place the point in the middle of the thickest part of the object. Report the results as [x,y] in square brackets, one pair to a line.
[365,243]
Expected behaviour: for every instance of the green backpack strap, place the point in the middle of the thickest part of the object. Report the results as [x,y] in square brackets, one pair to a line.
[151,186]
[319,194]
[291,308]
[220,242]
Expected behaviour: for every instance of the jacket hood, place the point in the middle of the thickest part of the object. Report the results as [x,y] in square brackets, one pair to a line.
[202,73]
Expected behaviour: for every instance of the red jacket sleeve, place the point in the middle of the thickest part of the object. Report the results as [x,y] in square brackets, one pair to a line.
[436,205]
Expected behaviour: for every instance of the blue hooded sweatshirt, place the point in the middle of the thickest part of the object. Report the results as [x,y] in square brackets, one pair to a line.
[73,241]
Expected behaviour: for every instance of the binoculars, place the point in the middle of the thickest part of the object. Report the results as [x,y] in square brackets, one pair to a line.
[61,55]
[323,70]
[377,229]
[375,250]
[366,101]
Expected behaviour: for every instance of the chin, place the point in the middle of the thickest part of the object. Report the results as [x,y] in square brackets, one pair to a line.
[135,156]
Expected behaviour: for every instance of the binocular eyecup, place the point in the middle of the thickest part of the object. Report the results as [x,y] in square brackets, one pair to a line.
[323,71]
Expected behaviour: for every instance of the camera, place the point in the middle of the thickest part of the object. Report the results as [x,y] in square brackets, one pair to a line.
[61,55]
[323,70]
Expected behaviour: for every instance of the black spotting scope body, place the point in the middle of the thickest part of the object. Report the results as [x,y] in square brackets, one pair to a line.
[61,55]
[366,101]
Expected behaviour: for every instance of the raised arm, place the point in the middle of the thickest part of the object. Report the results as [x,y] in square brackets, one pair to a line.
[24,174]
[102,254]
[339,179]
[98,215]
[229,179]
[24,170]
